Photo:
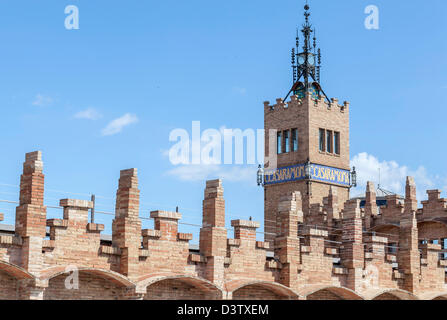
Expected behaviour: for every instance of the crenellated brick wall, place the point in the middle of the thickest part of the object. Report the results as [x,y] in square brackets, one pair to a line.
[325,251]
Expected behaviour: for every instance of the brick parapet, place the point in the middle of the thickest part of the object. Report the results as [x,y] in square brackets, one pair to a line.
[435,206]
[297,257]
[296,102]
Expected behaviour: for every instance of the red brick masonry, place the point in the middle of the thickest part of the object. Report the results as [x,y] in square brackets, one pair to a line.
[355,254]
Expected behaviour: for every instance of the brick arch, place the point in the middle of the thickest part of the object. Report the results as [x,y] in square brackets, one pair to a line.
[384,230]
[330,293]
[175,286]
[15,271]
[114,277]
[434,296]
[9,276]
[392,294]
[262,290]
[94,284]
[432,229]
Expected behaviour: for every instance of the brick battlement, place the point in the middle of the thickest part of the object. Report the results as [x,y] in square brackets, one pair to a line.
[296,103]
[339,252]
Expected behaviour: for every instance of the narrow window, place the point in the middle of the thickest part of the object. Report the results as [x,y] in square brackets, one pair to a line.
[329,141]
[279,143]
[337,143]
[321,140]
[294,140]
[286,142]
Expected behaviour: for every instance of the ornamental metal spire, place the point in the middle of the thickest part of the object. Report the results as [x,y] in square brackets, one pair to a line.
[306,62]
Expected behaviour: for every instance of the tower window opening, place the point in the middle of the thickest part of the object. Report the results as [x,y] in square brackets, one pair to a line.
[286,142]
[329,141]
[279,143]
[321,140]
[294,140]
[337,143]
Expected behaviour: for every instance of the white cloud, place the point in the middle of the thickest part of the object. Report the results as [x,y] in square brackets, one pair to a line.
[207,172]
[117,125]
[89,114]
[42,100]
[392,175]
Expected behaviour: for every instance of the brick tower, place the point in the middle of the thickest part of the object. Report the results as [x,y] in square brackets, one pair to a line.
[306,140]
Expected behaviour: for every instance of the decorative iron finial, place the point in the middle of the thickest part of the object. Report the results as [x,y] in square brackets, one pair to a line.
[293,65]
[306,64]
[297,39]
[319,66]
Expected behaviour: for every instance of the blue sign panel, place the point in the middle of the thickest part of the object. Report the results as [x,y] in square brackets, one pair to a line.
[317,173]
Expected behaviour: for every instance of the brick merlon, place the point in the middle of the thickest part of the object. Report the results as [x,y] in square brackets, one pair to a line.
[214,183]
[33,156]
[279,101]
[316,232]
[166,215]
[129,172]
[431,247]
[375,239]
[245,224]
[73,203]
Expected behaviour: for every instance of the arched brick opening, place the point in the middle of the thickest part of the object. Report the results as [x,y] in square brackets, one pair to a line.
[386,230]
[395,295]
[257,292]
[386,296]
[332,293]
[324,294]
[389,231]
[8,286]
[180,288]
[262,291]
[93,284]
[174,290]
[432,230]
[9,274]
[434,296]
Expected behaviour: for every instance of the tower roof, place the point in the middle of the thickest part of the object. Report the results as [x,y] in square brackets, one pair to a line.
[381,195]
[306,62]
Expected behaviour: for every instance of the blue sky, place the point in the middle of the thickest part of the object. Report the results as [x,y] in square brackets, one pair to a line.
[160,65]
